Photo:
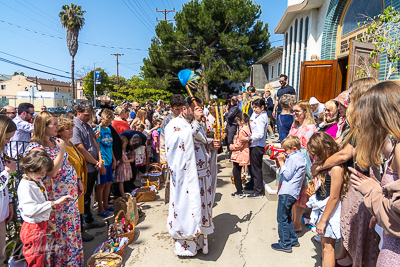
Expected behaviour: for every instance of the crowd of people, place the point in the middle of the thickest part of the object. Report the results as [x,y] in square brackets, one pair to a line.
[63,158]
[331,152]
[338,173]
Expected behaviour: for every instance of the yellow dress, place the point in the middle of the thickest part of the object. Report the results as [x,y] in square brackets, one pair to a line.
[79,163]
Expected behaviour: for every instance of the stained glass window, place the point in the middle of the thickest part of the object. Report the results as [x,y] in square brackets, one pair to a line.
[358,12]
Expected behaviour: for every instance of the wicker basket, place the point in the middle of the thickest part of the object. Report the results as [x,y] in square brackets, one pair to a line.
[156,183]
[106,256]
[144,194]
[130,235]
[155,172]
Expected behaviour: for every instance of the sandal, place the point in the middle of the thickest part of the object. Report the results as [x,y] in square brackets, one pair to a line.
[105,214]
[111,208]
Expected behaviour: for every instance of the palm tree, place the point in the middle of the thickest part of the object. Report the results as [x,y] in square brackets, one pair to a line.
[72,19]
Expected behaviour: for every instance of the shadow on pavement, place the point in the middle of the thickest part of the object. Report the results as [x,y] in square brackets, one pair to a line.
[225,225]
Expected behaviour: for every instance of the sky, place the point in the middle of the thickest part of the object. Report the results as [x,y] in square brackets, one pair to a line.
[31,32]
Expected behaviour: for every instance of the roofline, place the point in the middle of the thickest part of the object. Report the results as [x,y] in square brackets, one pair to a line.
[291,11]
[270,54]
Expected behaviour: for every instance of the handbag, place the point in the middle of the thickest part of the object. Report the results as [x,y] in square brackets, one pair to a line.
[128,204]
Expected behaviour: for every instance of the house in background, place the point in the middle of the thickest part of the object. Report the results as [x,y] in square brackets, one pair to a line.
[80,96]
[4,77]
[47,92]
[267,70]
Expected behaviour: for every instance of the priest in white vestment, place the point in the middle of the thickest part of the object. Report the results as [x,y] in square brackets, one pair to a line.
[192,163]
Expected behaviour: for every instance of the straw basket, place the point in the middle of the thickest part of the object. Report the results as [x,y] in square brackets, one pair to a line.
[130,235]
[155,172]
[144,194]
[156,183]
[105,256]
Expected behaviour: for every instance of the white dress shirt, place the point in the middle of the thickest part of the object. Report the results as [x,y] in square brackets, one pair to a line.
[23,133]
[258,126]
[33,204]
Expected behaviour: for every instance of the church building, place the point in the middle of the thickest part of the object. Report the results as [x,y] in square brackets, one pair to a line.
[321,51]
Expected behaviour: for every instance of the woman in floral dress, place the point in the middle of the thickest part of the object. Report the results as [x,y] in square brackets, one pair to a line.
[64,247]
[303,127]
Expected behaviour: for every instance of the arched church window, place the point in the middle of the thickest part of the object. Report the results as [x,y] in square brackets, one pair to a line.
[358,12]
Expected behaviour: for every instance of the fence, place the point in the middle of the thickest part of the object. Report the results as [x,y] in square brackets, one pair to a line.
[13,242]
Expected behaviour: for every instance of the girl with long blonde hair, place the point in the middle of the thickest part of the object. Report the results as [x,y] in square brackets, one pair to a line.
[7,130]
[355,216]
[377,116]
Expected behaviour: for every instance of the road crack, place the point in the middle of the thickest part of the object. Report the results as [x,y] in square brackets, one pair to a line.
[247,231]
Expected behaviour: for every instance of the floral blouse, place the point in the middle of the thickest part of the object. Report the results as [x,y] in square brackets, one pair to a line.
[304,133]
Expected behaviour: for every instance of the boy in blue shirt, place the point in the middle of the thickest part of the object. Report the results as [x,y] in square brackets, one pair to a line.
[105,142]
[293,171]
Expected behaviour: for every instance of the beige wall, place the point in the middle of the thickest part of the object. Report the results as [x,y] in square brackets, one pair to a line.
[39,102]
[15,84]
[19,83]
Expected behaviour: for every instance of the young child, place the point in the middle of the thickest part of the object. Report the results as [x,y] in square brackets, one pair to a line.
[123,172]
[285,119]
[141,128]
[156,140]
[105,142]
[293,172]
[325,203]
[240,152]
[34,206]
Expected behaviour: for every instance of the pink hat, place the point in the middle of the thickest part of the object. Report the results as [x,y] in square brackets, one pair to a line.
[343,98]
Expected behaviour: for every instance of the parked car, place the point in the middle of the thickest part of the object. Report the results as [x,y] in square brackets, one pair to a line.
[57,110]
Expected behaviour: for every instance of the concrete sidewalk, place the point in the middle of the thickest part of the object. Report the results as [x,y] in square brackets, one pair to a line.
[244,231]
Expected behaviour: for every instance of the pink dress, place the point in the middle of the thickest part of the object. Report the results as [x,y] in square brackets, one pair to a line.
[390,252]
[304,133]
[124,171]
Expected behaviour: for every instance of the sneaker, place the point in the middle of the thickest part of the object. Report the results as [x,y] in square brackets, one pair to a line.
[236,195]
[252,195]
[86,237]
[278,247]
[296,245]
[94,224]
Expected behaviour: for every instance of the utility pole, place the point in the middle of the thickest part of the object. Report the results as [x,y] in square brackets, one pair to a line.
[165,14]
[116,56]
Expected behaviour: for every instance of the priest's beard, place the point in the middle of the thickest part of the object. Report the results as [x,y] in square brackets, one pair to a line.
[188,114]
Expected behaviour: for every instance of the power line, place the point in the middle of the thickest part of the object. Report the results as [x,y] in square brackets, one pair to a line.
[128,67]
[150,8]
[24,66]
[137,17]
[110,47]
[144,12]
[35,62]
[27,15]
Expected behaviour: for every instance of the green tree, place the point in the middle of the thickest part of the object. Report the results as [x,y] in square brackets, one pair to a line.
[18,73]
[114,88]
[220,39]
[101,89]
[139,90]
[72,19]
[383,31]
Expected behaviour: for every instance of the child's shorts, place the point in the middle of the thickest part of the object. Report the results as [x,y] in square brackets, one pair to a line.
[102,179]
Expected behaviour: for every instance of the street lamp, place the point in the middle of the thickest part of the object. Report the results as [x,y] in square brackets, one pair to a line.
[94,82]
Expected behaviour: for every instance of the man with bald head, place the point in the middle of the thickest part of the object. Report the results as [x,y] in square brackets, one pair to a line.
[10,111]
